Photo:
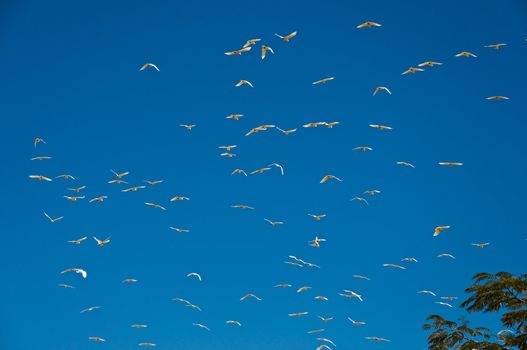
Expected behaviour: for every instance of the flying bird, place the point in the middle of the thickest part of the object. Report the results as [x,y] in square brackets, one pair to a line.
[37,141]
[53,220]
[242,50]
[265,49]
[394,266]
[451,164]
[278,166]
[90,309]
[480,245]
[412,70]
[381,88]
[380,127]
[81,272]
[189,127]
[497,98]
[199,325]
[323,81]
[233,322]
[148,65]
[287,37]
[429,64]
[274,223]
[40,177]
[155,205]
[194,274]
[465,54]
[328,177]
[406,164]
[427,292]
[251,42]
[496,46]
[78,241]
[250,295]
[439,229]
[368,25]
[244,82]
[356,323]
[103,242]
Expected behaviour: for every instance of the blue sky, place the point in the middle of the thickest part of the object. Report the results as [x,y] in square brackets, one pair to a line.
[71,76]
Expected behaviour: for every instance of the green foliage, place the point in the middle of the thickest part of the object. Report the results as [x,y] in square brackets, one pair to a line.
[501,292]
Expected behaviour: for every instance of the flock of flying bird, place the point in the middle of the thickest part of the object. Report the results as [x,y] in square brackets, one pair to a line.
[120,179]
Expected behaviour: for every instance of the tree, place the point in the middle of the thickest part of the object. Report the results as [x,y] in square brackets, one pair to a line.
[503,293]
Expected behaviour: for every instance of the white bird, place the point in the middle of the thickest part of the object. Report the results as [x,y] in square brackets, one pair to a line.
[394,266]
[360,199]
[234,322]
[148,65]
[53,220]
[78,241]
[322,347]
[427,292]
[40,177]
[451,164]
[120,175]
[155,205]
[298,314]
[368,25]
[372,192]
[380,127]
[287,37]
[328,177]
[89,309]
[129,280]
[480,245]
[195,275]
[251,42]
[442,303]
[361,277]
[409,259]
[244,82]
[278,166]
[265,49]
[250,295]
[445,255]
[356,323]
[274,223]
[465,54]
[323,80]
[97,339]
[40,158]
[377,339]
[201,326]
[406,164]
[497,98]
[37,141]
[100,243]
[351,294]
[363,148]
[147,344]
[242,50]
[179,229]
[439,229]
[325,319]
[381,88]
[326,340]
[83,273]
[139,326]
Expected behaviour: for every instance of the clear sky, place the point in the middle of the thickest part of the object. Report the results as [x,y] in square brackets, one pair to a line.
[71,76]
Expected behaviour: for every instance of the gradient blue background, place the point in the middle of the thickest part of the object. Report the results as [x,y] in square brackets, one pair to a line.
[70,75]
